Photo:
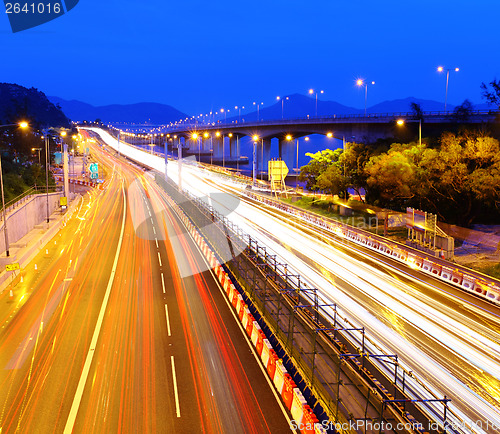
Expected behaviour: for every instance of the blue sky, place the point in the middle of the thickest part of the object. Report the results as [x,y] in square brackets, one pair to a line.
[199,55]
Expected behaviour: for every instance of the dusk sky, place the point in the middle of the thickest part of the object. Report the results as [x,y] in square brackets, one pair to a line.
[200,55]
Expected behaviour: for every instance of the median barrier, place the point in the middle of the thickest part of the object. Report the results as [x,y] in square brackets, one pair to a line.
[279,376]
[240,304]
[260,342]
[287,391]
[249,327]
[255,333]
[246,317]
[272,364]
[309,421]
[298,405]
[265,353]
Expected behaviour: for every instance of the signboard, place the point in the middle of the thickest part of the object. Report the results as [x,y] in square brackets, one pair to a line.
[94,171]
[277,170]
[415,219]
[12,267]
[63,201]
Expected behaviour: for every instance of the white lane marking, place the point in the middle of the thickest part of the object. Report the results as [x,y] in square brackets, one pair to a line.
[177,407]
[154,230]
[152,222]
[156,240]
[162,283]
[159,258]
[168,321]
[70,423]
[149,212]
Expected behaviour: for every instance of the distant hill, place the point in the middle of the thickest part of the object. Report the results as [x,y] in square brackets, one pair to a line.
[403,105]
[20,103]
[146,112]
[301,106]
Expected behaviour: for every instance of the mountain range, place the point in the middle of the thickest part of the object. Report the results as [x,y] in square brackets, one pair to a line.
[293,106]
[20,103]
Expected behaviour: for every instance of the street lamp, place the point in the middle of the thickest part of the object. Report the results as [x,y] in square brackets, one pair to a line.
[282,101]
[22,125]
[258,105]
[360,82]
[311,92]
[441,69]
[255,139]
[401,122]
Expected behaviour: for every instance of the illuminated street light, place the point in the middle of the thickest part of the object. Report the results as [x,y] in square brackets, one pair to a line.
[401,122]
[37,149]
[441,69]
[255,139]
[329,135]
[311,92]
[360,83]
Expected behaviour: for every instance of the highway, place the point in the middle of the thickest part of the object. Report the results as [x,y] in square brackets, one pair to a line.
[448,339]
[118,329]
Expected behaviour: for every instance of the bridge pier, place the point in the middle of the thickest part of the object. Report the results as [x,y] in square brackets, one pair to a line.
[286,152]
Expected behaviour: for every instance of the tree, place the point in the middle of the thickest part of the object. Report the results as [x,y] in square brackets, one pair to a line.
[320,161]
[463,111]
[416,110]
[492,94]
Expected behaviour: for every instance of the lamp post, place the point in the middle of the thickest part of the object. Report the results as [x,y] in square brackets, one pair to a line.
[311,92]
[255,138]
[282,101]
[22,125]
[258,105]
[362,83]
[441,69]
[401,122]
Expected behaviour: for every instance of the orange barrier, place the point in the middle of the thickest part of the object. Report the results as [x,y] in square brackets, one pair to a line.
[272,364]
[279,376]
[255,333]
[298,404]
[287,392]
[260,342]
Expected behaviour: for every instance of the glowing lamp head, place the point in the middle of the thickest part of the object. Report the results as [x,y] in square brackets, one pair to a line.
[23,124]
[194,136]
[255,137]
[457,69]
[230,134]
[359,82]
[440,69]
[311,91]
[306,139]
[400,122]
[329,135]
[217,134]
[64,134]
[288,137]
[205,135]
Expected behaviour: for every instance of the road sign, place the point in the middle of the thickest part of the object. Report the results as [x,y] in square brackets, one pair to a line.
[277,170]
[12,267]
[94,171]
[63,201]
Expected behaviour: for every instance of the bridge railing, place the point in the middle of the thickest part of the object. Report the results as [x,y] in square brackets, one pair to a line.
[359,117]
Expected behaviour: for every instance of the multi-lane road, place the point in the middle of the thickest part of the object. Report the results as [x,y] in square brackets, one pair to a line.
[448,339]
[117,329]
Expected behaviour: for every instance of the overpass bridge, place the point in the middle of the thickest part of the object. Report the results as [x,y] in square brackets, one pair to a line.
[220,138]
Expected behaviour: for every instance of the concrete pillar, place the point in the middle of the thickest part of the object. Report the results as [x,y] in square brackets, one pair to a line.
[286,153]
[264,153]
